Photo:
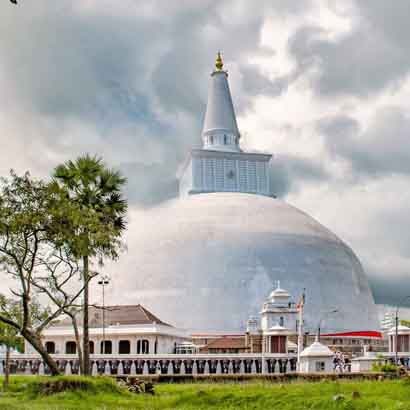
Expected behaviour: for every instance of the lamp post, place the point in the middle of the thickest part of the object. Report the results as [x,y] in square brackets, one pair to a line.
[320,321]
[104,281]
[396,360]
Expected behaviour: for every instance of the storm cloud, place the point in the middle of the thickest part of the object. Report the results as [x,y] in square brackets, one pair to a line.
[322,85]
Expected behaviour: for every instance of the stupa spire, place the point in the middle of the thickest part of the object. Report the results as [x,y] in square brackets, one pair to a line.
[220,131]
[219,63]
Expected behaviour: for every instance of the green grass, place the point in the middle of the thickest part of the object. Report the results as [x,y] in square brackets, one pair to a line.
[101,393]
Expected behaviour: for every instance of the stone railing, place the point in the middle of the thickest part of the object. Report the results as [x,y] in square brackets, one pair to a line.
[205,364]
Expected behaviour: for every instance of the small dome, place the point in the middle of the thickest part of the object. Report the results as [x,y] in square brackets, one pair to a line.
[400,329]
[316,349]
[279,293]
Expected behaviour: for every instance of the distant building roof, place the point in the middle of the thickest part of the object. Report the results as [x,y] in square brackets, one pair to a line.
[364,333]
[119,315]
[226,343]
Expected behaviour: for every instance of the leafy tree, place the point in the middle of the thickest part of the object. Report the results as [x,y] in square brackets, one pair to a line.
[96,221]
[30,223]
[9,336]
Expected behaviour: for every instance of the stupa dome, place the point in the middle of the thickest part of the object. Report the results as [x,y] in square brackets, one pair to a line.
[208,261]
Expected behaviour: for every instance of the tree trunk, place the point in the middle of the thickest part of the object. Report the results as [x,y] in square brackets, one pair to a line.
[7,369]
[78,342]
[35,341]
[86,336]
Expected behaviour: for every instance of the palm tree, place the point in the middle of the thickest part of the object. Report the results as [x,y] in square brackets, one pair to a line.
[95,220]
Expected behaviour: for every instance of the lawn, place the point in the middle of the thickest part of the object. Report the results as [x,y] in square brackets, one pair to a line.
[103,394]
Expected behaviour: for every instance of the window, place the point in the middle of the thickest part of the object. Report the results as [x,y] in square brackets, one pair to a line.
[124,347]
[50,347]
[106,347]
[91,344]
[320,366]
[70,348]
[281,321]
[142,346]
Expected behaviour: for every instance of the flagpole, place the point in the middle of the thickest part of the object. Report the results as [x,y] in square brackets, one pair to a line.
[300,328]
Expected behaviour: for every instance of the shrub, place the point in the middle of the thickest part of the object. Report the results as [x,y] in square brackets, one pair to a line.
[54,385]
[385,367]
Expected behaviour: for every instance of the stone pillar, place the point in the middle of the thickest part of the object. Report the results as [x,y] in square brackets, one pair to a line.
[253,367]
[67,370]
[120,369]
[27,368]
[218,367]
[133,368]
[145,368]
[107,369]
[41,371]
[170,368]
[242,367]
[206,367]
[264,368]
[230,367]
[182,371]
[194,367]
[94,369]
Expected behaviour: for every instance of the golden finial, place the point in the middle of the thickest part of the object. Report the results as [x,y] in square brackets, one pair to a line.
[219,63]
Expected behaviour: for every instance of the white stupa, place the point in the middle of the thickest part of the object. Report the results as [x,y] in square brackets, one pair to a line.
[207,259]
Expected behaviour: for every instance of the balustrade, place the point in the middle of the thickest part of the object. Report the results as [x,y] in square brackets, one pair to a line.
[200,364]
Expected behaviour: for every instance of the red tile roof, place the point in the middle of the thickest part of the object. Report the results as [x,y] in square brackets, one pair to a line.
[226,343]
[363,333]
[119,314]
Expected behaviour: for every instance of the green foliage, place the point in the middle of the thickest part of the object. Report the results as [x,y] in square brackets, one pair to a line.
[100,393]
[59,384]
[405,322]
[385,367]
[91,216]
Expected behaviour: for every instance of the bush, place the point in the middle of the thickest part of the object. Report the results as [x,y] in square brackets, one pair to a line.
[54,385]
[385,368]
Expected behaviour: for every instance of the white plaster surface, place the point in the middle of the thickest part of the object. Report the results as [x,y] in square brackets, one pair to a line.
[208,261]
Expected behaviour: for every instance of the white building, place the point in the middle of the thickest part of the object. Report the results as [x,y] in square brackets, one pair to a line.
[278,309]
[316,358]
[129,329]
[206,259]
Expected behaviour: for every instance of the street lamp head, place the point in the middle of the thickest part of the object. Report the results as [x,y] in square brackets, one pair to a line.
[105,280]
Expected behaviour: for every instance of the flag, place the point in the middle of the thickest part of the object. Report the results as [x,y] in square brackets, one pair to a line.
[301,302]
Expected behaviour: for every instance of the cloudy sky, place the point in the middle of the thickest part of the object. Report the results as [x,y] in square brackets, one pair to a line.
[323,85]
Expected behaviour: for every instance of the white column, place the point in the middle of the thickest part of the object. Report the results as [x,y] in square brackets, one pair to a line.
[253,367]
[170,368]
[107,369]
[27,369]
[230,367]
[145,368]
[206,368]
[67,370]
[182,370]
[264,366]
[41,369]
[94,369]
[115,342]
[133,369]
[120,370]
[218,367]
[194,367]
[242,367]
